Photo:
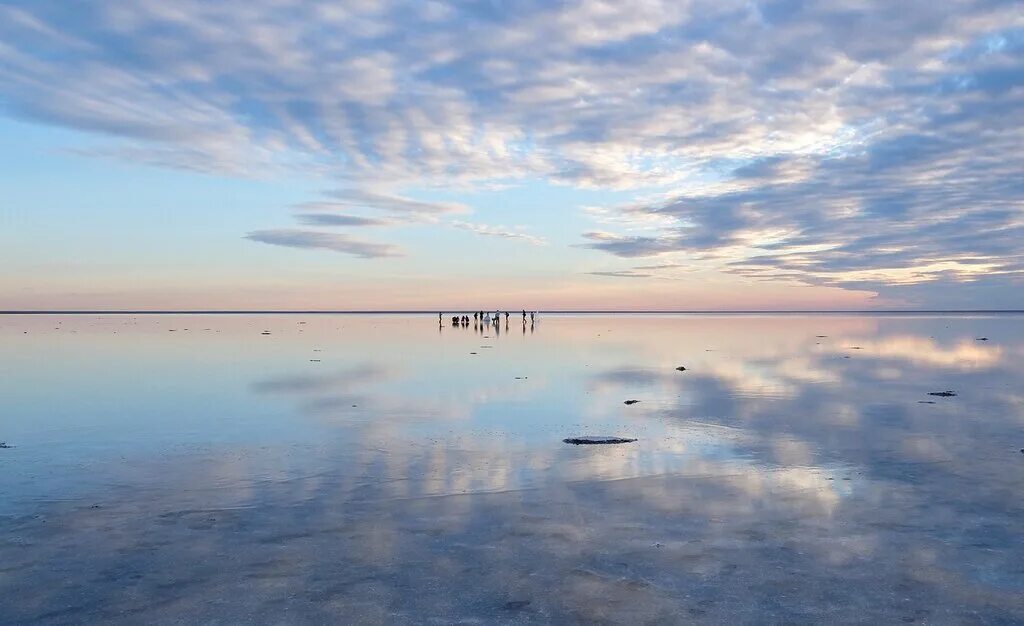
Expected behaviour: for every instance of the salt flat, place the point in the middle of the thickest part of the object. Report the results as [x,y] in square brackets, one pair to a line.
[388,469]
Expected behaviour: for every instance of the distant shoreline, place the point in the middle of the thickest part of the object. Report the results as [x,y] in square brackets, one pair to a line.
[557,312]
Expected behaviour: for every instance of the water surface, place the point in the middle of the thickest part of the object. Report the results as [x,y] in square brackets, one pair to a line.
[385,469]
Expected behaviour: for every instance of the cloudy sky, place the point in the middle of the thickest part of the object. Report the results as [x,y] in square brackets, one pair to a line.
[686,154]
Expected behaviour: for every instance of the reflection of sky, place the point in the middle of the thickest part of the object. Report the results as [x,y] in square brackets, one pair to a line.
[772,450]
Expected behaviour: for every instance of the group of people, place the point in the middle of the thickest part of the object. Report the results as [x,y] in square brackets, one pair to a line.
[484,317]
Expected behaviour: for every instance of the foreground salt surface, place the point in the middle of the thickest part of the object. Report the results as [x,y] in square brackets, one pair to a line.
[216,474]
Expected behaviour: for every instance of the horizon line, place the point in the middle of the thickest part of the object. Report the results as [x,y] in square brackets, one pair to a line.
[453,311]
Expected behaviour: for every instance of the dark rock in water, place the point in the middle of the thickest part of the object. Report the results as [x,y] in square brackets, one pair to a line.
[982,339]
[680,369]
[631,401]
[580,441]
[942,394]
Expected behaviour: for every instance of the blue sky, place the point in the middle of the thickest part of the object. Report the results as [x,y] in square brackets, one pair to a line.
[644,155]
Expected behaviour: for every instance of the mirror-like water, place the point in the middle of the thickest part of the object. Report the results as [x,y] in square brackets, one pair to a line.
[385,469]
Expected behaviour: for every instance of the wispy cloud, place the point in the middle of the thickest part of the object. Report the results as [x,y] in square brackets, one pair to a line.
[308,239]
[499,231]
[333,219]
[621,274]
[390,203]
[628,246]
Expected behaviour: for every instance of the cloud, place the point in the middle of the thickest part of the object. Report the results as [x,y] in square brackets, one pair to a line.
[399,205]
[621,274]
[584,92]
[499,231]
[308,239]
[628,246]
[869,144]
[400,209]
[331,219]
[931,199]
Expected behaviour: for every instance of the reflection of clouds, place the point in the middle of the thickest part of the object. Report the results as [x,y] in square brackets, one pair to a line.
[965,354]
[782,377]
[924,448]
[758,503]
[321,383]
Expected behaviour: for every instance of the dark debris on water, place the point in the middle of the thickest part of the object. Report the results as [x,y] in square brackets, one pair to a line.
[942,394]
[582,441]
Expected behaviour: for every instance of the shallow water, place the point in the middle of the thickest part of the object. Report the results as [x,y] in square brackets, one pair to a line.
[383,469]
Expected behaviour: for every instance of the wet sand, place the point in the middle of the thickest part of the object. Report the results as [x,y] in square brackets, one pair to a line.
[224,476]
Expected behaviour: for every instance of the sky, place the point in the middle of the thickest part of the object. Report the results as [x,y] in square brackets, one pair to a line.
[379,155]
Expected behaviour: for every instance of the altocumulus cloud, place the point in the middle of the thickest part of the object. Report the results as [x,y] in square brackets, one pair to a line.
[869,144]
[585,92]
[296,238]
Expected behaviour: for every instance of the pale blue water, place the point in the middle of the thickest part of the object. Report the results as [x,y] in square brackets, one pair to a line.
[345,468]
